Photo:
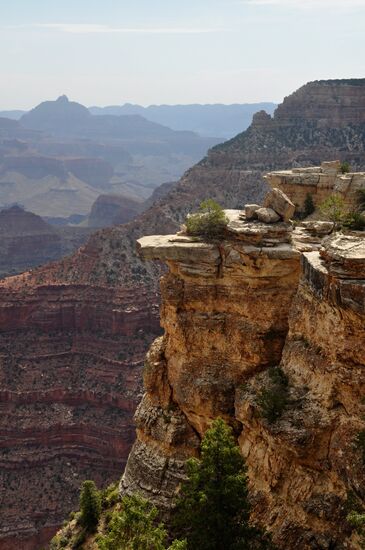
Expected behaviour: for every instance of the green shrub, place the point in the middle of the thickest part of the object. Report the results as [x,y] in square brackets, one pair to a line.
[79,540]
[334,209]
[357,520]
[90,506]
[273,399]
[345,167]
[309,207]
[209,222]
[213,507]
[355,220]
[135,527]
[361,198]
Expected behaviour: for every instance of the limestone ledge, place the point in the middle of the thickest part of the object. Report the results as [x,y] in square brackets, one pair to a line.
[320,182]
[253,238]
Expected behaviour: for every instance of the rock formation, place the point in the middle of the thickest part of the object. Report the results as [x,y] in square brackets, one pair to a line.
[72,343]
[230,311]
[116,286]
[27,241]
[319,182]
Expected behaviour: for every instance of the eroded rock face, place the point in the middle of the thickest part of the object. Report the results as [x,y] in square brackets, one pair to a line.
[304,467]
[70,381]
[224,312]
[320,182]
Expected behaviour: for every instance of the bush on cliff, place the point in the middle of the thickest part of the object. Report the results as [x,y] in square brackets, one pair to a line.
[90,506]
[213,507]
[273,399]
[334,210]
[134,527]
[309,207]
[209,222]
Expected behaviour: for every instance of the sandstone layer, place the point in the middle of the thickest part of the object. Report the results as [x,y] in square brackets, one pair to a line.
[108,271]
[70,381]
[230,311]
[225,313]
[319,182]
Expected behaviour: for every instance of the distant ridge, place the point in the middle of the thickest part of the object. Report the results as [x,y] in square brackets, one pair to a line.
[224,121]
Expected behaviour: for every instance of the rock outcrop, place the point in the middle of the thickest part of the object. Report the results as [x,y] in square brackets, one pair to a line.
[117,285]
[225,313]
[72,344]
[27,241]
[319,182]
[231,311]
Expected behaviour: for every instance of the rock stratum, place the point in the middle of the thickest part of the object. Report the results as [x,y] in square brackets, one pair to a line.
[230,312]
[107,293]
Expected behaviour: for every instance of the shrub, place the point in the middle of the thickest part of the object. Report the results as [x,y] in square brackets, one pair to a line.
[357,520]
[334,209]
[213,507]
[134,527]
[209,222]
[273,400]
[90,506]
[345,167]
[309,207]
[355,220]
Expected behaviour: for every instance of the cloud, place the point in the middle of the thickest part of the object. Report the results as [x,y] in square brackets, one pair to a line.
[86,28]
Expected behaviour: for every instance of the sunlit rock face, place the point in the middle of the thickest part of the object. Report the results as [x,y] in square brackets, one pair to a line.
[225,314]
[230,311]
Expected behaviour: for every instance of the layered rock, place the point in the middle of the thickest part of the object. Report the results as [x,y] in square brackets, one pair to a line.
[232,175]
[27,241]
[225,310]
[72,344]
[319,182]
[305,467]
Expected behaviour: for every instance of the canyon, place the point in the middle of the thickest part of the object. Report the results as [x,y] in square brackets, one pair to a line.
[83,324]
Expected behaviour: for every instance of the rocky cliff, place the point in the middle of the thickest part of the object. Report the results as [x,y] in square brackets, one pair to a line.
[121,297]
[319,182]
[27,241]
[232,312]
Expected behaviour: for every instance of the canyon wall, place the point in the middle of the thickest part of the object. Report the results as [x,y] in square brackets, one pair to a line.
[105,284]
[70,381]
[231,312]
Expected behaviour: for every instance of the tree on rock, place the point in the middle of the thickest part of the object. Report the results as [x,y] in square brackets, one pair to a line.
[209,222]
[213,508]
[90,506]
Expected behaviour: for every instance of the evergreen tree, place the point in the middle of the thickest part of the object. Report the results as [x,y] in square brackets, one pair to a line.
[309,207]
[213,508]
[134,527]
[90,505]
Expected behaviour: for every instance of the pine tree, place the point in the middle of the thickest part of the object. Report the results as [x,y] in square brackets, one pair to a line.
[90,505]
[213,508]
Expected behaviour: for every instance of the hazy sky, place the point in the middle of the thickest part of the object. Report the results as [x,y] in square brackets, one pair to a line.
[102,52]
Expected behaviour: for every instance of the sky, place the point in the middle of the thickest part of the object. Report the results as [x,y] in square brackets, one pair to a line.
[109,52]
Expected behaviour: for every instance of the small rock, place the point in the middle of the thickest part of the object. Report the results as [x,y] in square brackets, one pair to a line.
[278,201]
[250,211]
[267,215]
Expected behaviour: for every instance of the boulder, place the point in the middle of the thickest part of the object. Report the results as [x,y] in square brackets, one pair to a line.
[250,211]
[278,201]
[267,215]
